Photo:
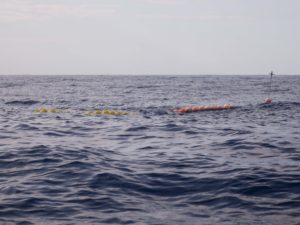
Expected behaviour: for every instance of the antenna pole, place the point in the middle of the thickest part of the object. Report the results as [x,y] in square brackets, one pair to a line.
[269,99]
[270,87]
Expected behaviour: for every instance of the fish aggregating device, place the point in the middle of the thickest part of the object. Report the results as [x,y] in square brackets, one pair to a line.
[190,109]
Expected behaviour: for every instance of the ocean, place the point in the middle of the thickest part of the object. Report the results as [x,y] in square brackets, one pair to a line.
[152,165]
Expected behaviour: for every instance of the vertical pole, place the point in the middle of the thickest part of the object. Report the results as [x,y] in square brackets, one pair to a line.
[270,87]
[269,99]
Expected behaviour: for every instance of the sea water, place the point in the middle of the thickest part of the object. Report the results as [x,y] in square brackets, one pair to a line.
[152,166]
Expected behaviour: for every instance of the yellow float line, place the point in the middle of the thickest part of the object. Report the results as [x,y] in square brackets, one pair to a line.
[106,112]
[47,110]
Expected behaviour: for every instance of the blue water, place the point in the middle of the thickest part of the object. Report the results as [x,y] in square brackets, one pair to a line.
[153,166]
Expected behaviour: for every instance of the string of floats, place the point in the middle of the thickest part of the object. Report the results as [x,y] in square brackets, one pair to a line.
[113,112]
[190,109]
[96,112]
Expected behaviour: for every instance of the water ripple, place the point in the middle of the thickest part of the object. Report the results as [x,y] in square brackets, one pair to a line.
[153,166]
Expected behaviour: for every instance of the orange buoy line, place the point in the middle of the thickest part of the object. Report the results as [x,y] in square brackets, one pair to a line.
[203,108]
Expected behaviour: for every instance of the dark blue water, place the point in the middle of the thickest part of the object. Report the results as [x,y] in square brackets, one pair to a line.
[154,166]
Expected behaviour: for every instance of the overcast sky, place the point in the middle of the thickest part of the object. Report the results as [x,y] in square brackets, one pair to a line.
[149,36]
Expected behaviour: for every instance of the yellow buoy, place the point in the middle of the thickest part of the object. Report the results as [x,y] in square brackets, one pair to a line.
[43,110]
[105,112]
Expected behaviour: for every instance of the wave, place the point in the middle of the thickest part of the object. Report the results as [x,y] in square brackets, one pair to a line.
[22,102]
[152,166]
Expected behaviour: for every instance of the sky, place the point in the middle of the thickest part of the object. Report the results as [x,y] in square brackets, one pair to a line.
[175,37]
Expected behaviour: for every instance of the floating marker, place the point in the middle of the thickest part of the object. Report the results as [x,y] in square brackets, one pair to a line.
[268,100]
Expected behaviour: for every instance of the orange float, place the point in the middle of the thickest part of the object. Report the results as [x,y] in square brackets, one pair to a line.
[203,108]
[268,100]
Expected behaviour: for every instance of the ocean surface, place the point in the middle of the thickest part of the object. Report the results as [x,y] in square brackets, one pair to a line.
[152,166]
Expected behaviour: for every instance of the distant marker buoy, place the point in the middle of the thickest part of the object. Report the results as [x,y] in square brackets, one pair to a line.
[268,100]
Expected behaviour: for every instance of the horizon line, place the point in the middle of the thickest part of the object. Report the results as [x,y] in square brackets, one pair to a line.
[27,74]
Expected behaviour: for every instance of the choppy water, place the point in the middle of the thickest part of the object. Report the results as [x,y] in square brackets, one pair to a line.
[154,166]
